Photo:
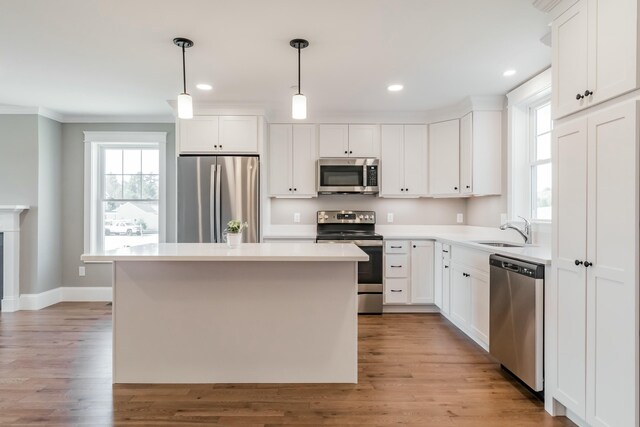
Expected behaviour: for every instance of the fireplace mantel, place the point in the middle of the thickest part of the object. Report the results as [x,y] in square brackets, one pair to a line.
[10,227]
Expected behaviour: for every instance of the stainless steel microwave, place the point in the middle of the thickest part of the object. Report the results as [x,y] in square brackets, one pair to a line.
[357,176]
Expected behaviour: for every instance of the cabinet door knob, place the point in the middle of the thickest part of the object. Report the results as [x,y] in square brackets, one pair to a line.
[221,147]
[468,186]
[588,264]
[350,152]
[588,93]
[578,262]
[446,266]
[290,189]
[215,146]
[295,189]
[402,189]
[345,152]
[406,189]
[455,188]
[414,246]
[579,96]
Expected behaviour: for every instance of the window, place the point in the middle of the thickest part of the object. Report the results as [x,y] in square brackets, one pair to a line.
[529,147]
[540,161]
[124,189]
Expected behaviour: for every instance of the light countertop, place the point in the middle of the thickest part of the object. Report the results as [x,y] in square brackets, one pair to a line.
[462,235]
[220,252]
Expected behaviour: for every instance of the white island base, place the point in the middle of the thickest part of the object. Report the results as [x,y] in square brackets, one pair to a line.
[229,319]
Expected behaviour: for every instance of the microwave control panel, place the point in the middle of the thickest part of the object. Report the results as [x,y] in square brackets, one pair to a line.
[372,176]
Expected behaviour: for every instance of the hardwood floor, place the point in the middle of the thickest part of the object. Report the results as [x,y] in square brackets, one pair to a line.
[55,370]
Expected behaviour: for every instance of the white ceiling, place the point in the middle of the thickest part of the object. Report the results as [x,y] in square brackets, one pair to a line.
[116,57]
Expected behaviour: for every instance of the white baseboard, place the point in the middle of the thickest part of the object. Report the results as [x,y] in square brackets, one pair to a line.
[427,308]
[65,293]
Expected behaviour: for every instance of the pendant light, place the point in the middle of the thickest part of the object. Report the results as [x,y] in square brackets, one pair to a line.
[185,104]
[299,101]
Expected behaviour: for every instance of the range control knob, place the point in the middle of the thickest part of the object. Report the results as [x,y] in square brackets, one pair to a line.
[361,217]
[326,217]
[366,217]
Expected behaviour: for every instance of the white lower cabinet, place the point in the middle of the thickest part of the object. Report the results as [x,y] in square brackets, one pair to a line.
[593,319]
[409,272]
[462,289]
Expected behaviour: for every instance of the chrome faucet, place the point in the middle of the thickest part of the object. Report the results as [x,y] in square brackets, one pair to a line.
[526,233]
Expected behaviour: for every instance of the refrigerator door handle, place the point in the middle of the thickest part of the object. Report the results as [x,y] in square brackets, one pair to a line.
[218,208]
[212,206]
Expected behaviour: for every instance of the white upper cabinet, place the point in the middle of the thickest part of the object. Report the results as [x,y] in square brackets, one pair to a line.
[595,267]
[334,140]
[218,134]
[349,141]
[481,153]
[595,52]
[444,158]
[198,135]
[292,160]
[404,160]
[238,134]
[364,141]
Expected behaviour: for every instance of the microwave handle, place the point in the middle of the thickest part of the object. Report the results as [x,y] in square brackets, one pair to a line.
[364,176]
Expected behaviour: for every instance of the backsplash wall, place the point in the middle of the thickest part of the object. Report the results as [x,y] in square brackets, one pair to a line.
[405,211]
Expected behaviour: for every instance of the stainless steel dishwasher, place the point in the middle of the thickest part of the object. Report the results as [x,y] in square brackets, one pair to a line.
[517,318]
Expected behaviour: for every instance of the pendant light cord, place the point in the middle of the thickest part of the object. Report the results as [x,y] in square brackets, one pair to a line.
[184,72]
[299,88]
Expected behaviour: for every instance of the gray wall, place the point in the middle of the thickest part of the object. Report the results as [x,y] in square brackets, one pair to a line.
[405,211]
[49,205]
[73,197]
[19,186]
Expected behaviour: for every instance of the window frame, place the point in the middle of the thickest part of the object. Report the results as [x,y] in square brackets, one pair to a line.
[533,154]
[95,143]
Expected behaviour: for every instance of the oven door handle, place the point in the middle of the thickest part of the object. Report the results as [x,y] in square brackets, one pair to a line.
[370,243]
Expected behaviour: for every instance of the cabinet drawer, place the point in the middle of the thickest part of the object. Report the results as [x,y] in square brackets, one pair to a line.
[395,291]
[396,246]
[396,265]
[471,258]
[446,251]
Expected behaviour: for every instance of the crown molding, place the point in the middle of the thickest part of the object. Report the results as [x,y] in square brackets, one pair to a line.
[70,118]
[545,5]
[40,111]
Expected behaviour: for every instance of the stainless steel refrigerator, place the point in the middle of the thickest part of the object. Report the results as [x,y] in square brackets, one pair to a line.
[212,190]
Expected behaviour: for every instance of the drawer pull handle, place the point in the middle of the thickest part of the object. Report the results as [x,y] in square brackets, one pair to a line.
[396,266]
[446,266]
[396,290]
[396,247]
[446,252]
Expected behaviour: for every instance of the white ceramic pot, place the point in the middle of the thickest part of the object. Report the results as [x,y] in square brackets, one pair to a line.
[234,239]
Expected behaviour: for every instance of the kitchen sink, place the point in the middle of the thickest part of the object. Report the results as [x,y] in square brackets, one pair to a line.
[502,244]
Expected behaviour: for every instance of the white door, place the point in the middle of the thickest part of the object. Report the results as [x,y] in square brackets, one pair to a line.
[198,135]
[460,297]
[466,154]
[305,154]
[612,287]
[364,141]
[238,134]
[280,160]
[444,158]
[333,140]
[570,60]
[416,162]
[437,275]
[392,161]
[570,248]
[446,287]
[422,272]
[479,318]
[613,47]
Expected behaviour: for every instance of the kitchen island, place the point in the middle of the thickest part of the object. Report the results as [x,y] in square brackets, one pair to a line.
[258,313]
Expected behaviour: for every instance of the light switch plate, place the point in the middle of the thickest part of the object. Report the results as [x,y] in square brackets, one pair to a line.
[390,217]
[460,218]
[296,217]
[81,271]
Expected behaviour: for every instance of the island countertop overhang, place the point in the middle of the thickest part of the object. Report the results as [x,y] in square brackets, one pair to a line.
[284,252]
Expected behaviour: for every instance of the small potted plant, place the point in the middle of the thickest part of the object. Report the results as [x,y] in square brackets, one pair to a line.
[234,232]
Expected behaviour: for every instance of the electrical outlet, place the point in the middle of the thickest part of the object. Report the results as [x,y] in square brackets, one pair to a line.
[460,218]
[390,217]
[81,271]
[296,217]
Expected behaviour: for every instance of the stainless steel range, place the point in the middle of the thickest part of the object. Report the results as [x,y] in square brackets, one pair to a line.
[358,227]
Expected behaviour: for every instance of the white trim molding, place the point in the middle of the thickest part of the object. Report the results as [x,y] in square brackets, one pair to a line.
[40,111]
[10,228]
[134,137]
[65,294]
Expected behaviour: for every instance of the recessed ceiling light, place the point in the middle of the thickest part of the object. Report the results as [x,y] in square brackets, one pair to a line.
[204,86]
[509,73]
[395,88]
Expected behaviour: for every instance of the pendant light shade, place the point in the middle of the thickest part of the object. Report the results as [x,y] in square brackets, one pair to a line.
[185,106]
[299,106]
[185,103]
[299,101]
